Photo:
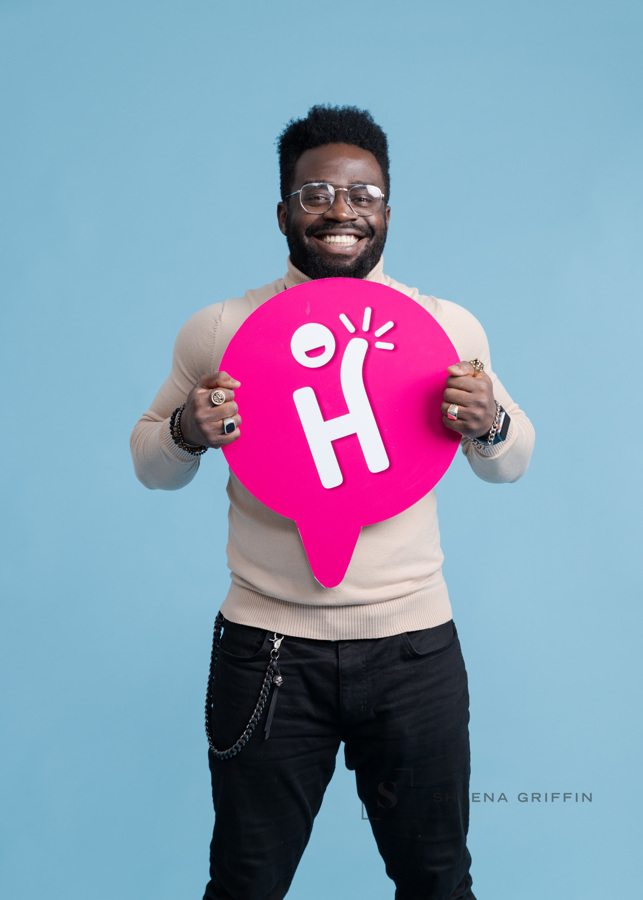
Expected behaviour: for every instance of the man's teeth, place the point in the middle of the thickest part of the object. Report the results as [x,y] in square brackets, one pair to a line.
[340,239]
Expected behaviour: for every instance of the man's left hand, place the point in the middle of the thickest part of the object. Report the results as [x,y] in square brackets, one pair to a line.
[473,395]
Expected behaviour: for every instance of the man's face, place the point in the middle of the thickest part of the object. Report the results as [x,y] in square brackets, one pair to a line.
[312,239]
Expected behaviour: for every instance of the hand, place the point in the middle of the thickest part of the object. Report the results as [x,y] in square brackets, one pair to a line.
[201,421]
[473,395]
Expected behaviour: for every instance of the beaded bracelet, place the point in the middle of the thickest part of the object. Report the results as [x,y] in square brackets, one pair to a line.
[177,434]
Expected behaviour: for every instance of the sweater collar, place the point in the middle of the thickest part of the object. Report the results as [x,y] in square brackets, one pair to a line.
[294,276]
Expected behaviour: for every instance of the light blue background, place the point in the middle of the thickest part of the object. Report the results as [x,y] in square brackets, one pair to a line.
[139,184]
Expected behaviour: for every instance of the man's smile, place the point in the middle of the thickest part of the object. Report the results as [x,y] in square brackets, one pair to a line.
[346,239]
[339,239]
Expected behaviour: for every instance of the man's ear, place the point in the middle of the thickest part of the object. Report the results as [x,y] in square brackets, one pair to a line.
[388,215]
[282,215]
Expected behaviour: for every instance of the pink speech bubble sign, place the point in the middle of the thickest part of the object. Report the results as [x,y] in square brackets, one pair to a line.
[341,386]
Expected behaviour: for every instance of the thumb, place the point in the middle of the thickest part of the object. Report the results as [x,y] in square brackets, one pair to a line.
[218,379]
[461,368]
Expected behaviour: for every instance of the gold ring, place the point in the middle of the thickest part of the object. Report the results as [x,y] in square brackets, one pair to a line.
[478,366]
[452,411]
[217,396]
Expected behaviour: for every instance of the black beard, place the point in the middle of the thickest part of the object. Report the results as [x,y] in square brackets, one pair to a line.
[311,264]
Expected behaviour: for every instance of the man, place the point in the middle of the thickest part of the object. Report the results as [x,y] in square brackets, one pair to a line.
[374,662]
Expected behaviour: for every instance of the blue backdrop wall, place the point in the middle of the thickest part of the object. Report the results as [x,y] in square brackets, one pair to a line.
[139,184]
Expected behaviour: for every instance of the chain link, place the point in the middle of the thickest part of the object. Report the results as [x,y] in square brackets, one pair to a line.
[268,679]
[488,441]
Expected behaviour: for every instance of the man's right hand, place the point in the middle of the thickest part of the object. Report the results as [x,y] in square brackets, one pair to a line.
[201,421]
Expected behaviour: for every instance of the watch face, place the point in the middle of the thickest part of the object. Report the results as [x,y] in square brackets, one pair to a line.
[503,427]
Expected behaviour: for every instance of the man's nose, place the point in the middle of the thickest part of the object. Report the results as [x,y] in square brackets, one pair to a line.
[340,208]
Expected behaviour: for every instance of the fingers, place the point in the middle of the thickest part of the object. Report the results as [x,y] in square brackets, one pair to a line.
[463,397]
[471,393]
[228,395]
[229,431]
[467,382]
[472,418]
[231,424]
[202,421]
[469,419]
[208,420]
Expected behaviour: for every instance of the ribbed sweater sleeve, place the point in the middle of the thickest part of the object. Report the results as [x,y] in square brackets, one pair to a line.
[508,460]
[158,462]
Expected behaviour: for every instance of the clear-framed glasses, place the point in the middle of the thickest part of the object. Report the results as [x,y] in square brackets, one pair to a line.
[318,197]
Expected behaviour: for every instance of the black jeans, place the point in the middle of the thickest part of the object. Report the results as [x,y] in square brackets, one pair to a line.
[401,707]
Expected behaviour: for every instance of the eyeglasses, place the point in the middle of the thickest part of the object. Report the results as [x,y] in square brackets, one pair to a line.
[318,197]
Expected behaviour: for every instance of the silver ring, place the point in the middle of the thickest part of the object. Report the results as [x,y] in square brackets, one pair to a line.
[228,426]
[452,411]
[217,396]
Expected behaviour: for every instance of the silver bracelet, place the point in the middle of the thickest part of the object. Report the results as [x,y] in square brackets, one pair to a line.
[492,431]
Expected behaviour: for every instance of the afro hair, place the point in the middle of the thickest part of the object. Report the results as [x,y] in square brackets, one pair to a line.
[331,125]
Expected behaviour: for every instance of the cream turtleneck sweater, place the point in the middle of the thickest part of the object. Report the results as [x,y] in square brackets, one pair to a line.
[394,582]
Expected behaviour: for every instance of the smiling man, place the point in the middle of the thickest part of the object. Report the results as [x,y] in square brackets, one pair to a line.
[374,663]
[328,233]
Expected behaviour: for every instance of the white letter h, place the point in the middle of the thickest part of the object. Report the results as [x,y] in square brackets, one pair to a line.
[359,420]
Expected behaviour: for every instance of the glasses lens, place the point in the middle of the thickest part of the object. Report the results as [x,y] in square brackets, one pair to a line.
[317,198]
[365,199]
